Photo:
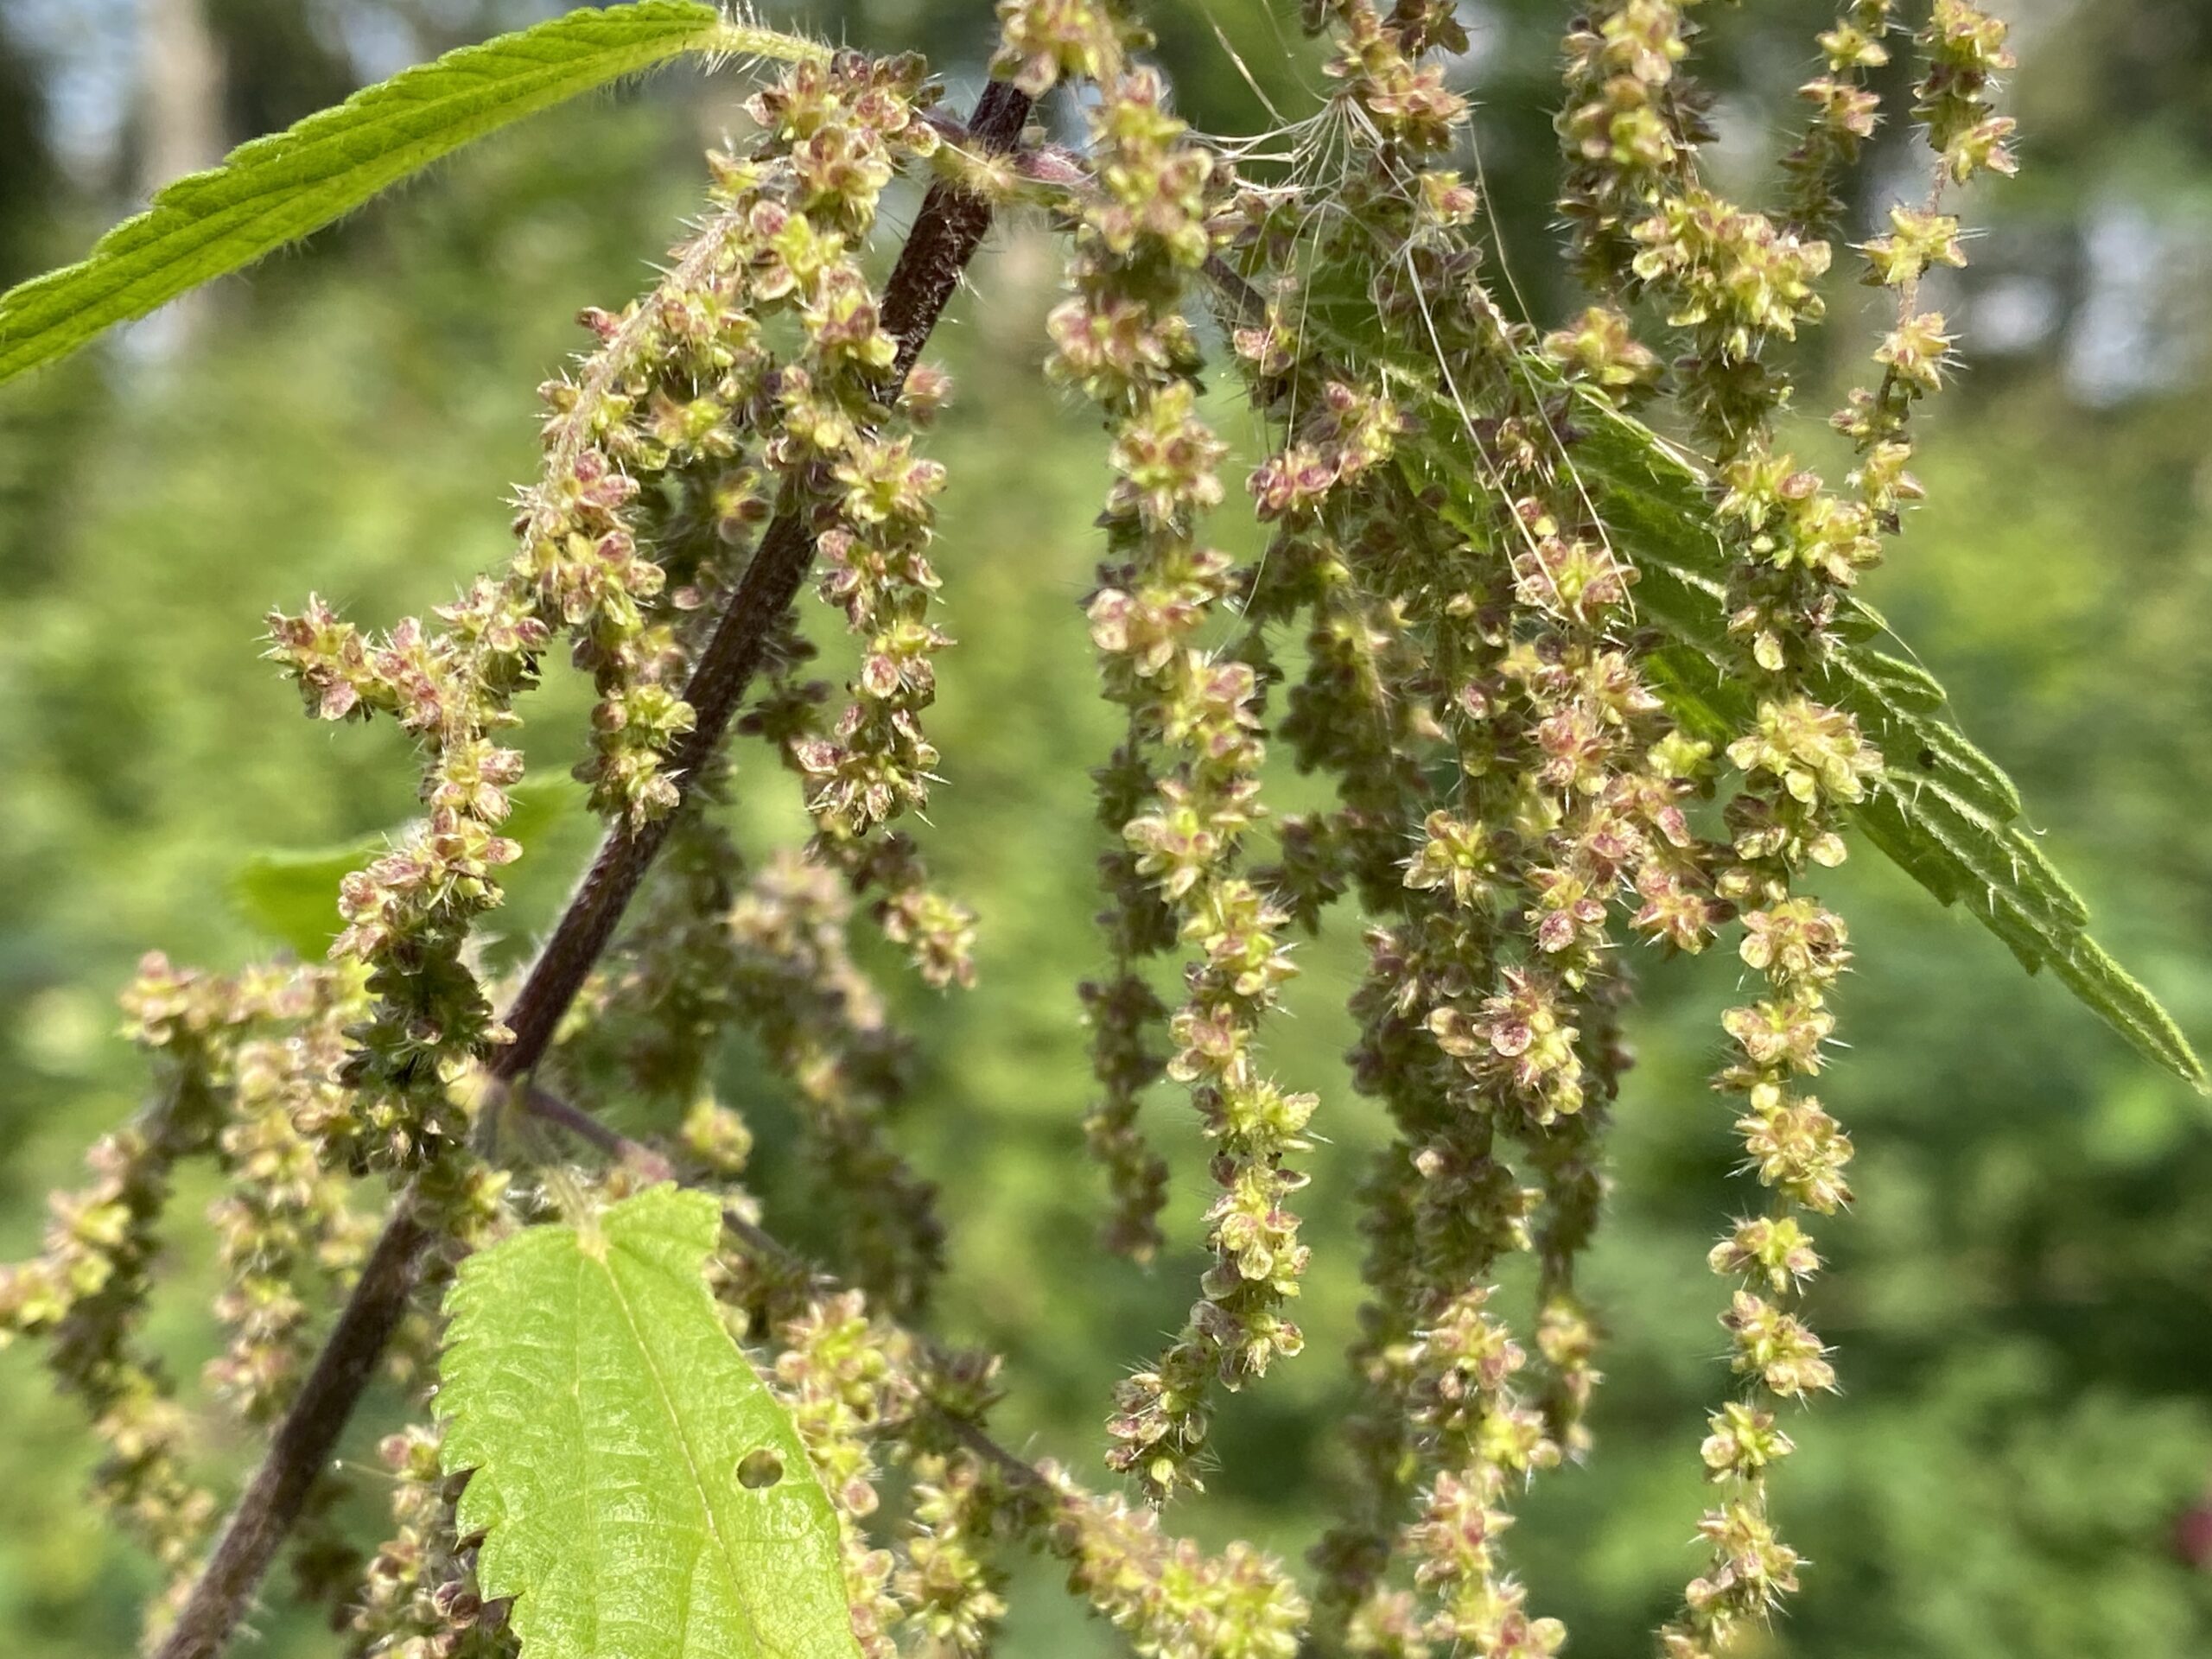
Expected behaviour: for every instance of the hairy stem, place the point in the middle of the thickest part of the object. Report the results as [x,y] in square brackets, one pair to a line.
[725,669]
[549,1107]
[945,236]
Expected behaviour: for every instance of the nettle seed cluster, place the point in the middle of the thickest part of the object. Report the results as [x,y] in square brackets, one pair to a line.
[1441,626]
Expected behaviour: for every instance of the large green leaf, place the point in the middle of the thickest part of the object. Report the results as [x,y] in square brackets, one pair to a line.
[278,188]
[622,1450]
[1945,813]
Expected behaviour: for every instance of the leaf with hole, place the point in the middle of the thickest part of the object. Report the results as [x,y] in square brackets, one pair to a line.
[642,1494]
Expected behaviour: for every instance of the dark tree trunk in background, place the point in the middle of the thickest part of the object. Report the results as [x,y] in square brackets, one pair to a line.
[27,174]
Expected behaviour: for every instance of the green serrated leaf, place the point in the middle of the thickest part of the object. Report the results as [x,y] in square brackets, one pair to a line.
[280,187]
[590,1386]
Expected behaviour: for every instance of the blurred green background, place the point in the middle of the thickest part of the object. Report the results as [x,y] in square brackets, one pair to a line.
[2020,1466]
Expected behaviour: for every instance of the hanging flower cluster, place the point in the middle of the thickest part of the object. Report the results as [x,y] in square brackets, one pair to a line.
[877,765]
[822,1024]
[1491,644]
[243,1064]
[841,1375]
[87,1292]
[1735,282]
[1169,1598]
[1184,792]
[683,391]
[288,1237]
[419,1599]
[1845,112]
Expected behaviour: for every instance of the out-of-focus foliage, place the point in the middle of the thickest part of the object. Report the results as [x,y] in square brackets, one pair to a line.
[2022,1300]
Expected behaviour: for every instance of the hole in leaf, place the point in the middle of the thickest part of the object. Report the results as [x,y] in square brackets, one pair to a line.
[758,1469]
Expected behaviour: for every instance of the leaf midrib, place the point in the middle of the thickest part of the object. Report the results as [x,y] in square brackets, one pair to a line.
[691,1457]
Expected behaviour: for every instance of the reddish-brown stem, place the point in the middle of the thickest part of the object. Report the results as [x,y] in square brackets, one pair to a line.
[551,1108]
[725,669]
[945,236]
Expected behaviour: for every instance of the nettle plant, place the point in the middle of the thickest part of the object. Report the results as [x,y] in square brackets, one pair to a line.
[1578,685]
